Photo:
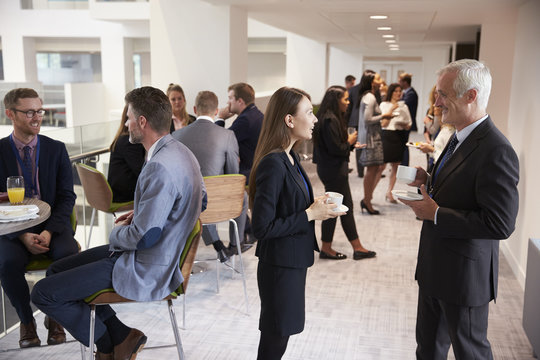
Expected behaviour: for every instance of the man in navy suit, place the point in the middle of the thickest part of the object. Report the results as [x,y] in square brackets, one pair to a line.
[410,97]
[246,128]
[470,202]
[45,166]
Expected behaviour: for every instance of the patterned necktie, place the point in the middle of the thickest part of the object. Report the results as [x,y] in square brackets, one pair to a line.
[27,164]
[451,147]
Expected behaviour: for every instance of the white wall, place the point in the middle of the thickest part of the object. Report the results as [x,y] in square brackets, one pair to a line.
[306,65]
[85,104]
[523,130]
[341,64]
[266,71]
[204,52]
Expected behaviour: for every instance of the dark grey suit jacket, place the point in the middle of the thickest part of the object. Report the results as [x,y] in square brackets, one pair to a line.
[476,190]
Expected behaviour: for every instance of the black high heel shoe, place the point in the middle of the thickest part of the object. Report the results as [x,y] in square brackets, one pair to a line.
[369,211]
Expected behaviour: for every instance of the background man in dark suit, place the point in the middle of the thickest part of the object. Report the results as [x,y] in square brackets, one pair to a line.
[221,157]
[45,165]
[470,202]
[410,97]
[246,127]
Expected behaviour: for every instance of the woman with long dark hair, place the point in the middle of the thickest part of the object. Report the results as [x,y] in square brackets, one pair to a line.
[283,213]
[331,149]
[125,163]
[372,156]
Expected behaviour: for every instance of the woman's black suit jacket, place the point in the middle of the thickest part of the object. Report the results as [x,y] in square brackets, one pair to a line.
[285,236]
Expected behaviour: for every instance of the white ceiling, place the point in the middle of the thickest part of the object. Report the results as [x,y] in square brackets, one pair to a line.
[346,24]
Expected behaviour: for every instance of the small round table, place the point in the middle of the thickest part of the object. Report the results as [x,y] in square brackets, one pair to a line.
[14,226]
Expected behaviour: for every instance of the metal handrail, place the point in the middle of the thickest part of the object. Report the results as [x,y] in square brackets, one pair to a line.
[79,157]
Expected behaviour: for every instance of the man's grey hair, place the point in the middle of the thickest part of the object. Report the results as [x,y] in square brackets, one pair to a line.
[471,74]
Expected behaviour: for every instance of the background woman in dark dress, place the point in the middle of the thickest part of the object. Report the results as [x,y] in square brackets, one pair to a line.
[125,164]
[283,214]
[332,147]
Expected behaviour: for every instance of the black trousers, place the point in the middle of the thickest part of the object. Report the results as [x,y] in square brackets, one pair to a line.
[439,324]
[13,260]
[337,179]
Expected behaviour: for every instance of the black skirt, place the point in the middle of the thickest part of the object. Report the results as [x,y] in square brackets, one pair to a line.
[282,293]
[394,145]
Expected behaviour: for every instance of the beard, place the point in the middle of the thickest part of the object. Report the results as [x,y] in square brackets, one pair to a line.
[135,136]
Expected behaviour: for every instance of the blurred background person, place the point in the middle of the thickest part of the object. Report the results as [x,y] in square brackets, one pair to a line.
[395,134]
[411,99]
[126,162]
[349,81]
[435,149]
[371,118]
[284,210]
[432,120]
[180,118]
[331,149]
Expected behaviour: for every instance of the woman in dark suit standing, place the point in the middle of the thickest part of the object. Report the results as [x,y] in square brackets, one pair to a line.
[283,210]
[331,149]
[125,163]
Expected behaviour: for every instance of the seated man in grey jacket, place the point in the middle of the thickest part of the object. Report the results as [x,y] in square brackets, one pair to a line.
[216,149]
[141,262]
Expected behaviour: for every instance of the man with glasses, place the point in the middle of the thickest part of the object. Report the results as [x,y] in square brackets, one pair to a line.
[45,166]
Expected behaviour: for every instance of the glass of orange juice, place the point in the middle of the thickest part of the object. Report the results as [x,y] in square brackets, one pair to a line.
[15,189]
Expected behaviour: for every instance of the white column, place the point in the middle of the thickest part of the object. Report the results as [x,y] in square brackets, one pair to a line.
[197,45]
[306,65]
[19,55]
[114,72]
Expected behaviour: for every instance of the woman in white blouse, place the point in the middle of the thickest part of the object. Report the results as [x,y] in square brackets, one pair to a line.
[395,134]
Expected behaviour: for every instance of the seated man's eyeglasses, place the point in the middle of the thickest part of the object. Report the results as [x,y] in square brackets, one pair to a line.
[30,113]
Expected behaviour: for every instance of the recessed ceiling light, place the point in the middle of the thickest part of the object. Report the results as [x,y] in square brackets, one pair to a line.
[393,45]
[389,41]
[394,49]
[378,17]
[388,36]
[384,28]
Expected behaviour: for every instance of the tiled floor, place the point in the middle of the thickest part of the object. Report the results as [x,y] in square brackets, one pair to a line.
[354,309]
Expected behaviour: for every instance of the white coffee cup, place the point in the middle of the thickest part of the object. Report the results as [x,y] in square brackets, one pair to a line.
[334,198]
[405,174]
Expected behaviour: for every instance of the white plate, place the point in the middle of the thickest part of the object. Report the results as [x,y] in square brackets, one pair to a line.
[20,218]
[410,144]
[407,195]
[341,208]
[16,212]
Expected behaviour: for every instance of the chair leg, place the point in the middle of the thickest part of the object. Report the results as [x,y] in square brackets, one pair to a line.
[92,329]
[184,311]
[217,275]
[237,238]
[91,226]
[83,351]
[175,330]
[4,312]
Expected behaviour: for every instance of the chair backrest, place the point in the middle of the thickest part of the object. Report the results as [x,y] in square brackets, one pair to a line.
[188,256]
[96,188]
[225,197]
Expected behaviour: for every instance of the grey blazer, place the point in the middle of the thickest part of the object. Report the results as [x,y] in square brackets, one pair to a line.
[476,190]
[169,197]
[215,148]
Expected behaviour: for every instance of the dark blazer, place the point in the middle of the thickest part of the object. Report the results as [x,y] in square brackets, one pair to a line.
[476,190]
[55,180]
[279,220]
[330,149]
[411,100]
[126,162]
[353,112]
[247,127]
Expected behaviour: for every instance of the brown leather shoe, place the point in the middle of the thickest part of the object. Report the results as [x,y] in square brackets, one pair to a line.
[56,332]
[28,335]
[102,356]
[128,349]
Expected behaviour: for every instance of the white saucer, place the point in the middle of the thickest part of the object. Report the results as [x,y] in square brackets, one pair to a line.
[407,195]
[341,208]
[409,144]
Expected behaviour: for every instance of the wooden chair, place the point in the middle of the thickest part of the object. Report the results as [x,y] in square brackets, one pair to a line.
[225,202]
[98,194]
[109,296]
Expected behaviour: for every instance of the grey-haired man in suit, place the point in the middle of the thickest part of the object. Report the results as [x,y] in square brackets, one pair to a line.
[470,202]
[141,262]
[216,149]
